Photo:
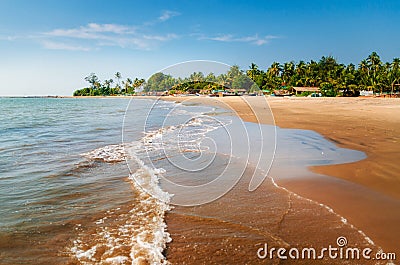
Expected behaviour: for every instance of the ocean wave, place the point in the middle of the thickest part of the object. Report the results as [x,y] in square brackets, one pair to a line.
[186,137]
[137,236]
[141,228]
[109,153]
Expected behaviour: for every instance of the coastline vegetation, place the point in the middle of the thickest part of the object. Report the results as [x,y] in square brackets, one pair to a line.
[106,88]
[331,77]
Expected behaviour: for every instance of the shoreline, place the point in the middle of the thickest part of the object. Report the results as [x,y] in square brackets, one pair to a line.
[233,227]
[344,130]
[354,190]
[365,192]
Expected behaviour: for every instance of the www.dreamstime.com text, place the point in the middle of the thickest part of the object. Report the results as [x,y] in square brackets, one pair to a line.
[339,251]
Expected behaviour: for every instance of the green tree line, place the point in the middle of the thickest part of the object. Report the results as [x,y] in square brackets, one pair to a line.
[106,88]
[371,74]
[333,78]
[197,82]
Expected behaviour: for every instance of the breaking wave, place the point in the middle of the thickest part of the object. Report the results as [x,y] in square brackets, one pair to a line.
[139,235]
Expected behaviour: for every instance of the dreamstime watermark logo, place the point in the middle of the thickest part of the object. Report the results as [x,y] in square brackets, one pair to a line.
[338,251]
[203,150]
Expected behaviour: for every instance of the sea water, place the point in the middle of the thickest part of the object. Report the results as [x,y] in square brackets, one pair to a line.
[90,180]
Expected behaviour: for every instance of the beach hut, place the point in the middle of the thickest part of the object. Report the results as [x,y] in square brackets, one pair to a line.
[299,90]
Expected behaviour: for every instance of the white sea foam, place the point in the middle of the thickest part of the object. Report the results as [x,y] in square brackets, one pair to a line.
[149,243]
[109,153]
[143,228]
[185,137]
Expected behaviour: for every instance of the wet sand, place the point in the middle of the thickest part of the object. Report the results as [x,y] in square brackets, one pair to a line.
[231,229]
[371,125]
[366,192]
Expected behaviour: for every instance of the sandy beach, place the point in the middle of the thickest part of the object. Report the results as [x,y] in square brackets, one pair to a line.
[366,192]
[371,125]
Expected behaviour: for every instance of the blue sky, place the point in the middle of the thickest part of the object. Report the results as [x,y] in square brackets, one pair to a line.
[48,47]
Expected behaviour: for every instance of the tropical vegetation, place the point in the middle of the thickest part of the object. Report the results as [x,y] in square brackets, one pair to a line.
[106,88]
[333,79]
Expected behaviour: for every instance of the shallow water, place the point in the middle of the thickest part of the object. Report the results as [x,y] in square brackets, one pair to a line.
[67,194]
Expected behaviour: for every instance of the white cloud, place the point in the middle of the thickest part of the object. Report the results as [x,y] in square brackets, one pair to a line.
[144,42]
[261,42]
[161,37]
[108,35]
[225,38]
[144,37]
[256,40]
[114,28]
[92,31]
[167,14]
[50,45]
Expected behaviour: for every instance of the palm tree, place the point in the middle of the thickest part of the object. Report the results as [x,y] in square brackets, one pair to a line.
[92,79]
[197,77]
[274,76]
[128,85]
[275,69]
[301,69]
[253,72]
[210,78]
[328,69]
[233,72]
[311,74]
[395,72]
[374,64]
[222,80]
[106,86]
[288,72]
[364,72]
[118,77]
[396,64]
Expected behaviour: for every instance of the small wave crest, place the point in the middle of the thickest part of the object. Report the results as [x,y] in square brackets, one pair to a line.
[134,236]
[138,235]
[182,138]
[109,153]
